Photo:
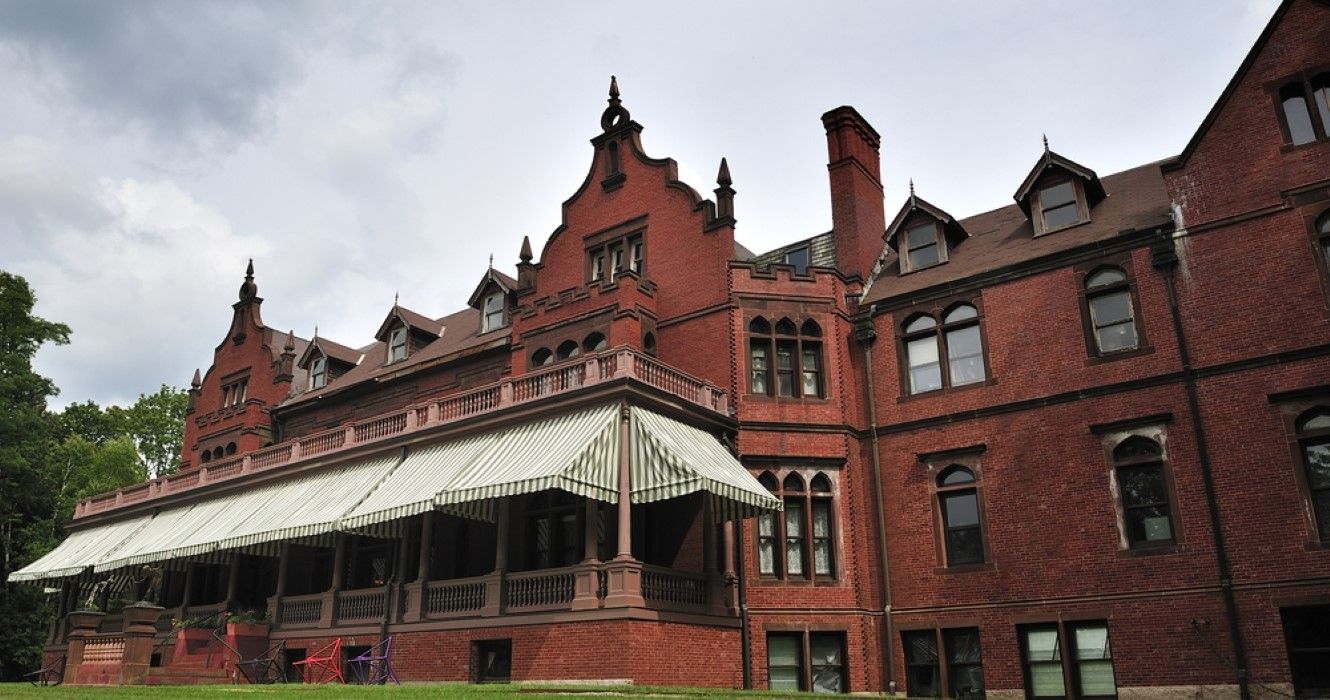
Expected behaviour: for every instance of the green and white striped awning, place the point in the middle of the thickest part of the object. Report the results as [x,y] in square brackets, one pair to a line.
[577,452]
[82,549]
[301,507]
[671,459]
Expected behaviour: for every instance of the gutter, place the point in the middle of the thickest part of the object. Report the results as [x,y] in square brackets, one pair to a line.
[866,335]
[1164,257]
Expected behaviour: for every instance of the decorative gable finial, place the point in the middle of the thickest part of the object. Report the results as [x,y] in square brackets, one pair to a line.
[525,255]
[723,177]
[1045,143]
[491,261]
[198,379]
[290,346]
[911,188]
[615,115]
[396,298]
[316,334]
[249,290]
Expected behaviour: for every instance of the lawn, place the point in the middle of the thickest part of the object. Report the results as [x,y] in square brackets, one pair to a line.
[404,692]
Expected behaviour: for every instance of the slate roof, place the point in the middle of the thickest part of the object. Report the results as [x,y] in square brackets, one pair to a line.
[1136,199]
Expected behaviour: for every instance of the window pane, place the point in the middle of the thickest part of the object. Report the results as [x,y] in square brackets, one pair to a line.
[1096,678]
[966,675]
[965,546]
[821,520]
[1299,119]
[967,681]
[1046,680]
[960,509]
[1092,642]
[965,351]
[1057,195]
[920,236]
[1043,657]
[1121,336]
[919,324]
[1108,309]
[1094,659]
[1142,485]
[923,257]
[794,541]
[1042,645]
[964,312]
[784,356]
[812,365]
[962,645]
[1317,458]
[822,558]
[925,372]
[1104,278]
[827,663]
[1061,216]
[922,676]
[798,258]
[783,650]
[1321,96]
[959,475]
[1149,524]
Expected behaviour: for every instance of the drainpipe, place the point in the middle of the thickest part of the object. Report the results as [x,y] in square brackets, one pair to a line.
[1165,259]
[745,639]
[865,335]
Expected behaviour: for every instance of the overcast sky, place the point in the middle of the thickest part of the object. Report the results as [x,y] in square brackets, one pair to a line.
[358,150]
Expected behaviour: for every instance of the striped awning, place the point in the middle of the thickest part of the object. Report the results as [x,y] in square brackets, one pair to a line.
[671,459]
[82,549]
[301,507]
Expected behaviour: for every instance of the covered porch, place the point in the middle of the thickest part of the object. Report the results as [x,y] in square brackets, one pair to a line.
[608,511]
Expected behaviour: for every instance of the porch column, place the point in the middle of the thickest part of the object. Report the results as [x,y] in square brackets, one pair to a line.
[623,576]
[283,570]
[731,580]
[415,591]
[494,584]
[625,552]
[186,598]
[586,582]
[338,578]
[232,581]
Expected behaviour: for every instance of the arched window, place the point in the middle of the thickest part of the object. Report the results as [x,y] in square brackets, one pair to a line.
[958,339]
[649,344]
[542,357]
[230,448]
[568,349]
[1297,116]
[594,343]
[1138,464]
[962,526]
[1108,305]
[787,362]
[797,543]
[206,456]
[1314,440]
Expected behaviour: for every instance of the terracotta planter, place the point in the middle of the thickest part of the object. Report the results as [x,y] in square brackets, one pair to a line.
[86,620]
[142,615]
[247,629]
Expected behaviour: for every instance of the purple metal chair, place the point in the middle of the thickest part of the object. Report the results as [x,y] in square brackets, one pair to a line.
[375,667]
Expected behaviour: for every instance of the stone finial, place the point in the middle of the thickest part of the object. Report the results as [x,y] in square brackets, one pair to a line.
[723,177]
[525,255]
[249,290]
[1045,143]
[614,115]
[911,188]
[197,381]
[290,346]
[614,89]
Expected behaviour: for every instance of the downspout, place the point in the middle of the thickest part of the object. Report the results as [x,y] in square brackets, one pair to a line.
[1164,258]
[745,640]
[865,335]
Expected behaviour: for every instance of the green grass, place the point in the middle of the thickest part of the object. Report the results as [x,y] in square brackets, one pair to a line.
[410,691]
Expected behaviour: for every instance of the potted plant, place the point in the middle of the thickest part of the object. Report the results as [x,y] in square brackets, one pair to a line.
[247,623]
[193,634]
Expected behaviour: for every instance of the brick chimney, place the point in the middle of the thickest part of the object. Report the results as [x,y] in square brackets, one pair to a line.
[857,216]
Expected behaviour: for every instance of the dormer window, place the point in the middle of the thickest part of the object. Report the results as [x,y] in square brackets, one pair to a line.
[798,259]
[922,248]
[397,344]
[1303,122]
[318,373]
[1059,206]
[495,316]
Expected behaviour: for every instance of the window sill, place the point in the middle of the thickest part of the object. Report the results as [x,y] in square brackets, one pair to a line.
[946,390]
[1119,355]
[964,568]
[1063,227]
[1290,147]
[1151,550]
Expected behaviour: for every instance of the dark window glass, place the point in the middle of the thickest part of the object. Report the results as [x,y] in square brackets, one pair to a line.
[965,353]
[827,662]
[1145,500]
[1321,96]
[1296,114]
[1315,429]
[594,343]
[568,349]
[542,357]
[798,258]
[790,366]
[759,366]
[798,542]
[1307,636]
[1058,204]
[318,373]
[921,246]
[965,670]
[922,677]
[785,350]
[397,344]
[962,531]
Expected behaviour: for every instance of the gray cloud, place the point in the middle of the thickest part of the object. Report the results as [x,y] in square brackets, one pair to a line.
[196,74]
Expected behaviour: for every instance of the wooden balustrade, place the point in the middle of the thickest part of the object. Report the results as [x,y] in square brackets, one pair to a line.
[535,385]
[301,611]
[363,604]
[547,589]
[457,596]
[675,588]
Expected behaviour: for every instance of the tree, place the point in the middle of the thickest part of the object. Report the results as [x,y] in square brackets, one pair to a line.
[156,422]
[26,501]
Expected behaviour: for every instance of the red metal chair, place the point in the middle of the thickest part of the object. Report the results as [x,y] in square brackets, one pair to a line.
[323,665]
[375,666]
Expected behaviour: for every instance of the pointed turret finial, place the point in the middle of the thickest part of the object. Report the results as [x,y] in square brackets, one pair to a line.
[1045,143]
[491,261]
[198,379]
[316,333]
[614,89]
[396,297]
[723,177]
[615,115]
[911,188]
[525,255]
[249,290]
[290,346]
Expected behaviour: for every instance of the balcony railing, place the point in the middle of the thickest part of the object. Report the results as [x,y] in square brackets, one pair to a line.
[533,386]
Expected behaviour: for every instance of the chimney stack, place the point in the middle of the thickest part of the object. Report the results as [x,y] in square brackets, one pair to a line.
[857,216]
